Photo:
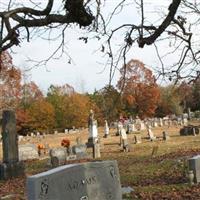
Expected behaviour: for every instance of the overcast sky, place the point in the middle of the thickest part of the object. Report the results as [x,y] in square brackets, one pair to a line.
[87,70]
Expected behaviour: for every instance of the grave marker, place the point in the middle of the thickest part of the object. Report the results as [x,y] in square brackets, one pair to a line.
[11,167]
[83,181]
[194,165]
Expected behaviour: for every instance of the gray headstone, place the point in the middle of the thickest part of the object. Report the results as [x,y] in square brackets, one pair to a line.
[9,135]
[11,167]
[80,150]
[84,181]
[58,155]
[194,165]
[28,152]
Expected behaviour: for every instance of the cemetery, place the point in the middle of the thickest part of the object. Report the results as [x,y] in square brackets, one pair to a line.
[152,163]
[99,100]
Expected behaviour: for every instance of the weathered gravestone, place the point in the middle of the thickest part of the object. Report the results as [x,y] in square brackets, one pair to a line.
[124,140]
[194,165]
[28,152]
[151,135]
[189,130]
[83,181]
[80,151]
[58,156]
[11,166]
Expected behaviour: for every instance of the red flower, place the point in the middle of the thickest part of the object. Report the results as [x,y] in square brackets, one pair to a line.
[65,143]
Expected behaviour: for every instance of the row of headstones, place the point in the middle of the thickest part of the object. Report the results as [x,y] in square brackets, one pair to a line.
[13,155]
[158,122]
[131,127]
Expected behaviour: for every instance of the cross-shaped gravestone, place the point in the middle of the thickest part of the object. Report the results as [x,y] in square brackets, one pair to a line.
[11,167]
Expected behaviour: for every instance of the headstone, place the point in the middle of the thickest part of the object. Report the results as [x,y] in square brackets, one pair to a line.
[150,134]
[11,166]
[28,152]
[32,135]
[169,122]
[160,122]
[165,136]
[189,113]
[165,122]
[185,121]
[194,165]
[106,129]
[142,126]
[78,141]
[155,124]
[189,130]
[80,151]
[20,138]
[66,130]
[124,140]
[84,181]
[131,128]
[137,139]
[119,128]
[58,156]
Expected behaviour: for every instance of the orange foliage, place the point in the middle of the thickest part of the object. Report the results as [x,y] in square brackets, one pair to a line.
[10,82]
[140,90]
[42,116]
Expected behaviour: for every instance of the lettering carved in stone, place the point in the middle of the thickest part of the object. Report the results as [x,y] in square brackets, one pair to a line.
[77,184]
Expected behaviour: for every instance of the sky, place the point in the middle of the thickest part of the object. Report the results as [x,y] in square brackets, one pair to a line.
[87,69]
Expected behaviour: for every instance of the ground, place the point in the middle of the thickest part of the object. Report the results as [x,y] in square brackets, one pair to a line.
[161,176]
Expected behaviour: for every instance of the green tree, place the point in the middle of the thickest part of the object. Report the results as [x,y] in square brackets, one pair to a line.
[170,102]
[108,99]
[59,101]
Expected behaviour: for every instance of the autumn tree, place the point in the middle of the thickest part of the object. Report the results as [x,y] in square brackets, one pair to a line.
[23,120]
[140,92]
[30,93]
[10,82]
[42,116]
[77,110]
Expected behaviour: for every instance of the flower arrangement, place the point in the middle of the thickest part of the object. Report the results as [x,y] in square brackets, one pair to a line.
[65,143]
[40,147]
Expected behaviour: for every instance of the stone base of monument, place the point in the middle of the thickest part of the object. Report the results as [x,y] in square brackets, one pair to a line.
[11,170]
[91,142]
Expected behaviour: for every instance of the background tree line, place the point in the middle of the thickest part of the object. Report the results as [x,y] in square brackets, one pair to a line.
[136,93]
